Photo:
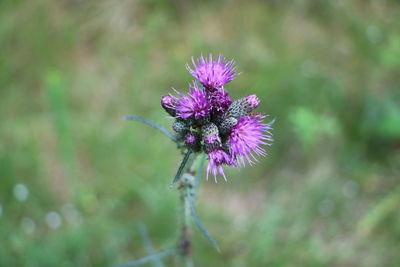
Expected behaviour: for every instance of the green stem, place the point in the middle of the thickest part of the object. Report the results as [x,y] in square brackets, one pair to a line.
[186,188]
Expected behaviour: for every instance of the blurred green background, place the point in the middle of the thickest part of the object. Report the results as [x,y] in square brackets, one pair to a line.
[76,180]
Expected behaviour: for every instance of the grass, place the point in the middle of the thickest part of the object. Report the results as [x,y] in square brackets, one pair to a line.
[327,71]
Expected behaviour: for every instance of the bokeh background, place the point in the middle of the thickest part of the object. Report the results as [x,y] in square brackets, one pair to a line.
[76,181]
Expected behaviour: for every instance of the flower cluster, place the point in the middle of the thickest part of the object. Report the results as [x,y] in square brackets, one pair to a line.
[206,119]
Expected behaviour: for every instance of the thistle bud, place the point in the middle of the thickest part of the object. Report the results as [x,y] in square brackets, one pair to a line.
[211,137]
[180,127]
[169,103]
[227,124]
[192,140]
[242,106]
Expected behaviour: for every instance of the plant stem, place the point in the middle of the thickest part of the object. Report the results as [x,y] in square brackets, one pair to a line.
[186,188]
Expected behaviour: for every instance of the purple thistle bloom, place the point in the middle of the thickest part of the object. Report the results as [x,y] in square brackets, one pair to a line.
[243,106]
[195,104]
[247,136]
[213,74]
[252,101]
[211,139]
[190,139]
[208,121]
[169,103]
[216,158]
[219,100]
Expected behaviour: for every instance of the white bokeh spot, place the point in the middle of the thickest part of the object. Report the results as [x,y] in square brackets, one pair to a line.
[21,192]
[53,219]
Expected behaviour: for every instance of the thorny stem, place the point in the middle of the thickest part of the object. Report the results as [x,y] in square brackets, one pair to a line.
[186,188]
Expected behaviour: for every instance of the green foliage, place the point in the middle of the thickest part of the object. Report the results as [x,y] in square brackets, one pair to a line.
[390,54]
[76,180]
[309,126]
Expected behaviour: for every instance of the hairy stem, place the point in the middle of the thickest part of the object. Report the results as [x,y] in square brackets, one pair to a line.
[186,188]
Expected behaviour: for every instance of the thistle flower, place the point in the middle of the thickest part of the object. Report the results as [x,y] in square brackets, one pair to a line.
[246,138]
[190,139]
[213,74]
[216,158]
[219,100]
[208,121]
[211,137]
[180,126]
[227,124]
[169,103]
[243,106]
[193,105]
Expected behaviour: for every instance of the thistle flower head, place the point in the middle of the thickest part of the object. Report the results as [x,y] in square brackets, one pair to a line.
[216,158]
[243,106]
[227,124]
[252,101]
[211,137]
[190,139]
[213,73]
[206,119]
[219,100]
[247,136]
[169,103]
[194,104]
[180,126]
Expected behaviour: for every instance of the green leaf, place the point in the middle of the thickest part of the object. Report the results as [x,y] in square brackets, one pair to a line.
[197,221]
[181,167]
[152,124]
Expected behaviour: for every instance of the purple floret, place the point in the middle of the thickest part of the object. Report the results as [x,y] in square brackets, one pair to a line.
[190,139]
[247,136]
[194,104]
[219,100]
[213,74]
[211,139]
[252,101]
[169,103]
[216,159]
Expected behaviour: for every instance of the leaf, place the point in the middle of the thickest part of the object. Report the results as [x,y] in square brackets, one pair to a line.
[181,167]
[197,221]
[148,245]
[152,124]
